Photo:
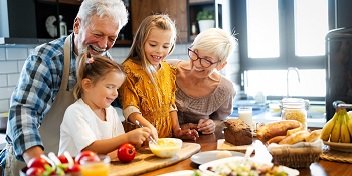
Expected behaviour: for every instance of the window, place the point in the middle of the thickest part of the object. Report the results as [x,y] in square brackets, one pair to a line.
[263,37]
[280,34]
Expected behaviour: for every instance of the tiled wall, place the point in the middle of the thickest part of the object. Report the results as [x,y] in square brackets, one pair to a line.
[12,58]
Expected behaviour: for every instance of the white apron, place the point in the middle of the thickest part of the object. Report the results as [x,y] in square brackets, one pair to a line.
[50,128]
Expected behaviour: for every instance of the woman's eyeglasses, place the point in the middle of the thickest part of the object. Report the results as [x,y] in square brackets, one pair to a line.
[203,61]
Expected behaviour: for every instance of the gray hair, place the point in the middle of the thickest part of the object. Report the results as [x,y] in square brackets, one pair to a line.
[218,41]
[110,8]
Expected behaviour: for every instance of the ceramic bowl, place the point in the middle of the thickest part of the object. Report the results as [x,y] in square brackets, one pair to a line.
[166,147]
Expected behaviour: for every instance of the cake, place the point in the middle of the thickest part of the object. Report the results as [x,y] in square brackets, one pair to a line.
[237,132]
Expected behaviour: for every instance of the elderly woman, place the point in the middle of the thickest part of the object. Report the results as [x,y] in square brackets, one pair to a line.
[204,97]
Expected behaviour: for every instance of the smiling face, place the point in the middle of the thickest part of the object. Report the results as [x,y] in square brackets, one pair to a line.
[98,36]
[197,68]
[102,93]
[158,45]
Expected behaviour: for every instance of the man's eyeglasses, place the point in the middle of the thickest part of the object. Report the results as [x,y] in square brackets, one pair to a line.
[203,61]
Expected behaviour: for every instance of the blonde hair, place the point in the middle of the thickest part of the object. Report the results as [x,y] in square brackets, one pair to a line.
[159,21]
[218,41]
[94,68]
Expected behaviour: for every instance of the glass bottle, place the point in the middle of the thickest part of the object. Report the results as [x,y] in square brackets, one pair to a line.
[295,109]
[63,27]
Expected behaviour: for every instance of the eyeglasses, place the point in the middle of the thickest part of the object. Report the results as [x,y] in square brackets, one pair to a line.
[203,61]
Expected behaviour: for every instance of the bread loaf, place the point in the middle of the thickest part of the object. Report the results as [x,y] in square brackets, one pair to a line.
[278,128]
[237,132]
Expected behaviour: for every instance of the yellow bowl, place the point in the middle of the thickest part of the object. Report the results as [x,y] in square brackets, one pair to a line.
[166,147]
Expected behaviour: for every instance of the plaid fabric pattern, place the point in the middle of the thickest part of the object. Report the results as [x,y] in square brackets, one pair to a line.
[38,86]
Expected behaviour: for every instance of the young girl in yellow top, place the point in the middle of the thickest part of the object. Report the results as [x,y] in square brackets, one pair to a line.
[148,94]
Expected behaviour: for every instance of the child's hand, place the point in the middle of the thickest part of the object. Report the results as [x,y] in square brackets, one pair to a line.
[206,126]
[154,132]
[139,135]
[186,134]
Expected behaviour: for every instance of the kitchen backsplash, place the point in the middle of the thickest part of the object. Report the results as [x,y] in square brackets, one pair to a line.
[12,58]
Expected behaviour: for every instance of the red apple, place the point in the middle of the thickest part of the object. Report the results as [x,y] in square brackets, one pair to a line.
[126,153]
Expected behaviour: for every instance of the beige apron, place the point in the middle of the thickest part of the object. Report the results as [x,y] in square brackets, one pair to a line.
[50,127]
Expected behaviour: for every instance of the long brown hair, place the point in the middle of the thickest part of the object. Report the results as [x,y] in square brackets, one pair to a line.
[137,52]
[94,68]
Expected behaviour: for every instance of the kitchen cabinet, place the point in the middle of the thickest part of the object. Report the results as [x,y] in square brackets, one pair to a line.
[177,10]
[36,15]
[68,10]
[47,13]
[220,9]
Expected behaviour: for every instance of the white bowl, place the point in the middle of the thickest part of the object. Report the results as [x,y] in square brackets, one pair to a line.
[166,147]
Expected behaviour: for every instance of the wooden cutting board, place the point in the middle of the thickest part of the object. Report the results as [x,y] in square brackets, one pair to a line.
[223,145]
[146,161]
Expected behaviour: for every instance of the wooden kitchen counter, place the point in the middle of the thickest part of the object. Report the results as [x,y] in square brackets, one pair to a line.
[209,142]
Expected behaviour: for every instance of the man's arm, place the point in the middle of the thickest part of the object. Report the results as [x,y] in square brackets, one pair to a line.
[31,99]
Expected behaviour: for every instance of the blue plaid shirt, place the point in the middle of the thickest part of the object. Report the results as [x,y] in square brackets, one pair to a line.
[38,86]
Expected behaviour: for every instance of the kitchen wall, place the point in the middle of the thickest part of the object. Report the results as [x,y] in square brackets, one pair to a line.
[12,58]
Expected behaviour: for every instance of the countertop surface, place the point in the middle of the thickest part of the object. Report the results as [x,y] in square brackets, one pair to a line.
[266,117]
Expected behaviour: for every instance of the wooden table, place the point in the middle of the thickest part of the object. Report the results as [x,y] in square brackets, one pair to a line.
[208,142]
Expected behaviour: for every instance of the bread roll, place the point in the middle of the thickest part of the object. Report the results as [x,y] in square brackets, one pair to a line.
[295,138]
[314,135]
[278,128]
[276,139]
[300,128]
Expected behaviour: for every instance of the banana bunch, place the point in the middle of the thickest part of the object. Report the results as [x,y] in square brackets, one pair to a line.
[338,128]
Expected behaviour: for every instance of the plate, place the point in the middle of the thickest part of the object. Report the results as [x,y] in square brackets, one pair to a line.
[343,147]
[204,157]
[179,173]
[240,160]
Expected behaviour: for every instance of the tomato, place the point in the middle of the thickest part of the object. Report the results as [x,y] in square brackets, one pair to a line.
[126,152]
[62,159]
[38,162]
[87,156]
[34,171]
[74,168]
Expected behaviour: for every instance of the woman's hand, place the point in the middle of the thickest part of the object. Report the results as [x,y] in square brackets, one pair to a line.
[186,134]
[206,126]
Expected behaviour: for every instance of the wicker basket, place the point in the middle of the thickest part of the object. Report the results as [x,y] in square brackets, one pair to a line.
[296,156]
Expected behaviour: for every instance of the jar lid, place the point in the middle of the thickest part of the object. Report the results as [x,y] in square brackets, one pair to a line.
[293,103]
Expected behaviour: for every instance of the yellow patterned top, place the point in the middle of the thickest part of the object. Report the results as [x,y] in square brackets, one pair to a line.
[138,91]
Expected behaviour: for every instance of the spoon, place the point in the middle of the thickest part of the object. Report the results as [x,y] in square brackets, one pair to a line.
[150,137]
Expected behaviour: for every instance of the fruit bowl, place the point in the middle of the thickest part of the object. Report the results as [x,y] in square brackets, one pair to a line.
[338,146]
[166,147]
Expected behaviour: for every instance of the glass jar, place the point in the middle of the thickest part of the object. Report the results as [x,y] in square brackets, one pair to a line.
[295,109]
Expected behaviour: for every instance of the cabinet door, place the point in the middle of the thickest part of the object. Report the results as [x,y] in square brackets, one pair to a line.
[177,10]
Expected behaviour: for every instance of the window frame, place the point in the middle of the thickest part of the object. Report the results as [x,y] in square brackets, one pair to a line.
[287,46]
